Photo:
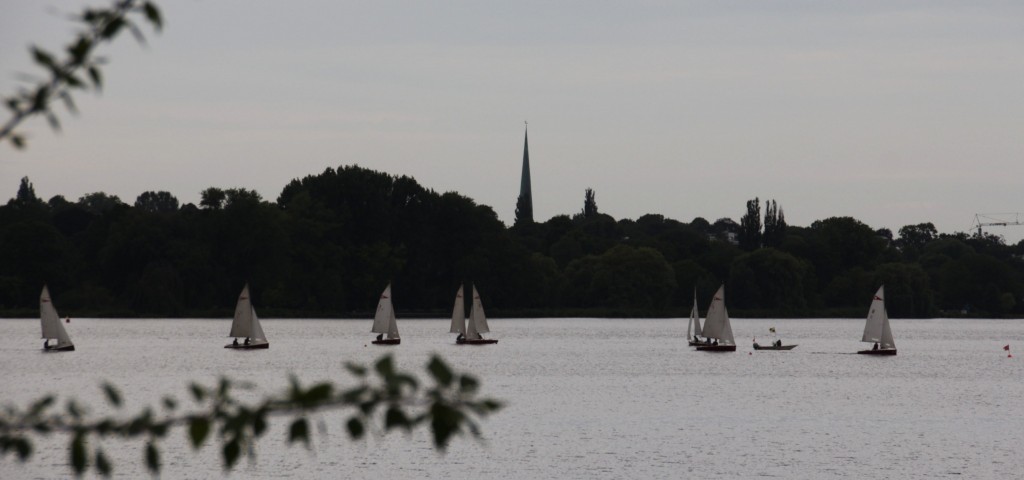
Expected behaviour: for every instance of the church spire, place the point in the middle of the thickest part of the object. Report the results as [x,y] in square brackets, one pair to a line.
[524,206]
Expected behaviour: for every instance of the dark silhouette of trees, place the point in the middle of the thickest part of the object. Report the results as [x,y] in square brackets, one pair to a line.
[331,241]
[157,202]
[589,204]
[774,225]
[750,226]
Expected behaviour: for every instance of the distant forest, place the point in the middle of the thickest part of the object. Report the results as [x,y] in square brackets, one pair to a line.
[331,242]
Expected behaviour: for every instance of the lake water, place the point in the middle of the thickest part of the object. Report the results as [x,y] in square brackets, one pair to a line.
[586,398]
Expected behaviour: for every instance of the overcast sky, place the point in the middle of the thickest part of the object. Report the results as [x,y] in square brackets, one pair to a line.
[892,112]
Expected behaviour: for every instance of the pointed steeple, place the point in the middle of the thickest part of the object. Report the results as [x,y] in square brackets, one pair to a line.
[524,206]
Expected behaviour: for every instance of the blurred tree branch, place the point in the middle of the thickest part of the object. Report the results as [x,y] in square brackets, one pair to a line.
[66,74]
[384,398]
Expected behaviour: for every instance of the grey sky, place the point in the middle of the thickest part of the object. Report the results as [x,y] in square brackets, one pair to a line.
[891,112]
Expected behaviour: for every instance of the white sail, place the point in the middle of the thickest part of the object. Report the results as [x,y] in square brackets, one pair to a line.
[459,314]
[50,320]
[716,324]
[876,328]
[477,318]
[384,320]
[242,324]
[257,329]
[693,327]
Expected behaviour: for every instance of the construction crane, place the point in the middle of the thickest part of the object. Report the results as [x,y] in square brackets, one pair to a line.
[997,220]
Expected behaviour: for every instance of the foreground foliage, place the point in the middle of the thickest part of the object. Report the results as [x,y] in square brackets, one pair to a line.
[68,71]
[383,398]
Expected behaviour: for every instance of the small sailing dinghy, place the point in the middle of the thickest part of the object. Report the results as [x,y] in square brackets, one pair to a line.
[469,332]
[246,325]
[717,329]
[693,330]
[776,344]
[876,328]
[52,328]
[384,321]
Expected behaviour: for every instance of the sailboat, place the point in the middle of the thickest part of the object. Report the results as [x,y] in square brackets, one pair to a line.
[246,324]
[693,329]
[876,328]
[384,321]
[717,326]
[469,332]
[52,328]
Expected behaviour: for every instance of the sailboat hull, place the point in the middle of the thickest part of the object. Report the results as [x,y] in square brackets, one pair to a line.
[479,341]
[881,351]
[251,346]
[771,347]
[387,341]
[66,348]
[716,348]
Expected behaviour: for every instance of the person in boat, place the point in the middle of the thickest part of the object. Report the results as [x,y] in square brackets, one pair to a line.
[235,343]
[756,345]
[778,343]
[380,337]
[246,340]
[715,343]
[460,338]
[695,339]
[46,344]
[875,347]
[707,341]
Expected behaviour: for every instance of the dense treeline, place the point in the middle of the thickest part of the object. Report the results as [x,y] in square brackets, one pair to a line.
[331,242]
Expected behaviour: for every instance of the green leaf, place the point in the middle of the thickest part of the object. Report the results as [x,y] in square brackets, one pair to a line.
[73,81]
[355,369]
[94,75]
[74,410]
[385,366]
[259,423]
[444,421]
[113,396]
[231,451]
[78,454]
[102,464]
[53,121]
[153,15]
[440,371]
[39,100]
[355,428]
[319,393]
[395,417]
[139,37]
[198,392]
[468,384]
[80,50]
[70,104]
[152,458]
[198,429]
[299,431]
[22,447]
[43,58]
[41,404]
[112,28]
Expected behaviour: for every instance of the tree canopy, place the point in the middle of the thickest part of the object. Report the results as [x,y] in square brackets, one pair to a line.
[331,241]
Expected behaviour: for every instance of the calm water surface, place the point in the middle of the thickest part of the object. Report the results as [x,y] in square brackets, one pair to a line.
[586,398]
